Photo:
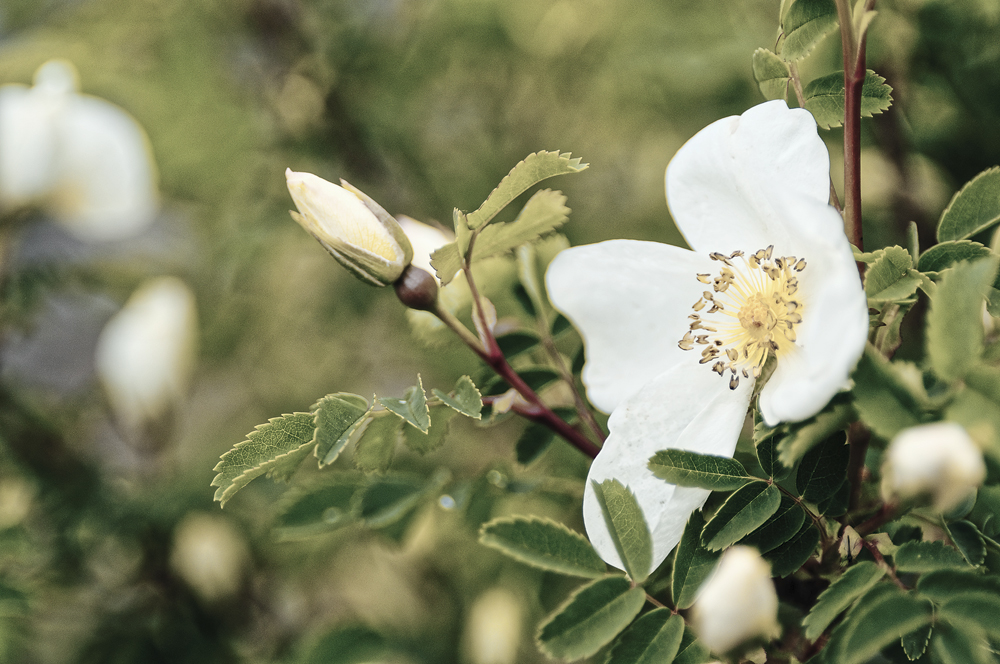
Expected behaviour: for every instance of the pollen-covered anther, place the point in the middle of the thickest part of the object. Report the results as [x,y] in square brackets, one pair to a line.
[752,301]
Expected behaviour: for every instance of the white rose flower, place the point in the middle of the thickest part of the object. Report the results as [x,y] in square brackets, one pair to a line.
[354,229]
[676,339]
[146,352]
[737,602]
[937,460]
[82,159]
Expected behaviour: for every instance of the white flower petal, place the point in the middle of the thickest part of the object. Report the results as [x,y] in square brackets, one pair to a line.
[719,183]
[27,145]
[688,407]
[629,299]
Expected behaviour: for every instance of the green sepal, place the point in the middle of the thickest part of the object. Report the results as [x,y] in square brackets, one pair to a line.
[544,544]
[824,97]
[744,511]
[973,209]
[652,639]
[590,618]
[771,73]
[464,398]
[412,408]
[338,416]
[684,468]
[692,562]
[627,526]
[276,448]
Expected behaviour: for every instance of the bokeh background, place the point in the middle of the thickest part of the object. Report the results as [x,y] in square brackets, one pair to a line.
[111,547]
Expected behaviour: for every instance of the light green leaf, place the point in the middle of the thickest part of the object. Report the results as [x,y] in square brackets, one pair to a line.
[915,642]
[888,278]
[544,213]
[310,510]
[652,639]
[841,594]
[779,528]
[823,468]
[945,254]
[954,322]
[744,511]
[591,618]
[793,554]
[685,468]
[805,25]
[887,399]
[464,398]
[535,439]
[350,645]
[969,541]
[825,98]
[544,544]
[422,443]
[927,557]
[771,74]
[980,609]
[412,408]
[974,208]
[337,417]
[376,445]
[627,527]
[692,651]
[276,448]
[952,645]
[692,563]
[802,437]
[446,261]
[535,168]
[877,620]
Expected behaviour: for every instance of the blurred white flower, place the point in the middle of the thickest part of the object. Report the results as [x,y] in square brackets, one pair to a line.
[938,460]
[352,227]
[210,556]
[493,630]
[146,352]
[676,339]
[82,159]
[737,602]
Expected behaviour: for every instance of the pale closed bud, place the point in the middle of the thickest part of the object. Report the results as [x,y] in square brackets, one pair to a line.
[737,603]
[937,460]
[493,630]
[356,231]
[210,555]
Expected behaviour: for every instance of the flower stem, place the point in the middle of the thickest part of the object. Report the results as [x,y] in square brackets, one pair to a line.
[816,519]
[880,559]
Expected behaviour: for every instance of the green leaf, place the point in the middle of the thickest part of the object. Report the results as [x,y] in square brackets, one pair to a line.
[446,261]
[794,553]
[946,254]
[954,322]
[591,618]
[535,439]
[941,585]
[969,541]
[412,408]
[386,500]
[337,418]
[692,651]
[951,645]
[878,620]
[979,609]
[423,443]
[464,398]
[771,73]
[535,168]
[805,25]
[692,563]
[744,511]
[927,557]
[544,544]
[767,457]
[974,208]
[307,511]
[823,468]
[884,400]
[627,526]
[802,437]
[824,98]
[915,642]
[349,645]
[539,377]
[276,448]
[376,443]
[652,639]
[778,529]
[888,279]
[544,213]
[705,471]
[841,594]
[515,343]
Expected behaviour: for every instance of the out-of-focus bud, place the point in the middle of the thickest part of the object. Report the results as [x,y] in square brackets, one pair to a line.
[737,603]
[81,158]
[493,632]
[356,231]
[426,239]
[146,352]
[938,460]
[210,556]
[417,289]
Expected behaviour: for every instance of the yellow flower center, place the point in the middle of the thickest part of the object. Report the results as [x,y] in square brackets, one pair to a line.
[749,315]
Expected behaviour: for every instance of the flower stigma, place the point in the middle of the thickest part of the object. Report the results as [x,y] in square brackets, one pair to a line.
[749,315]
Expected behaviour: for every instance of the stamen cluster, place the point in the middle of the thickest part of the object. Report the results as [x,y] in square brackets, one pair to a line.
[750,315]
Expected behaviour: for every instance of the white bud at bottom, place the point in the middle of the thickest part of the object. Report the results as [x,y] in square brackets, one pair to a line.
[493,632]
